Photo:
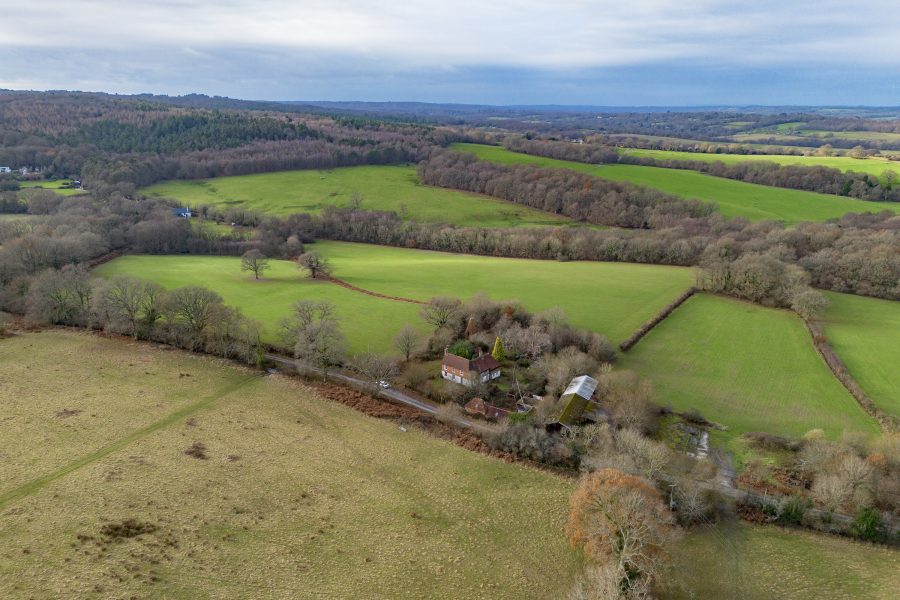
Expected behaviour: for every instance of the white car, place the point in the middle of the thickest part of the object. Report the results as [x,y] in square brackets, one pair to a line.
[383,384]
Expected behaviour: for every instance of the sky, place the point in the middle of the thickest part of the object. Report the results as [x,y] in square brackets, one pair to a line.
[605,53]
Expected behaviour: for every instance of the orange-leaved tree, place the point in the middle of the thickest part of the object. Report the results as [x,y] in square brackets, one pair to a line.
[620,520]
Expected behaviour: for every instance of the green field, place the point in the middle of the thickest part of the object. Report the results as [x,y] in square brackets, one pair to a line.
[659,138]
[734,198]
[55,185]
[391,188]
[367,322]
[871,166]
[868,136]
[14,217]
[865,333]
[610,298]
[737,560]
[747,367]
[298,497]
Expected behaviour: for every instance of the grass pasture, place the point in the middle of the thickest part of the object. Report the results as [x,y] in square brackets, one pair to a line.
[747,367]
[865,333]
[610,298]
[298,497]
[734,198]
[368,322]
[737,560]
[870,166]
[390,188]
[54,186]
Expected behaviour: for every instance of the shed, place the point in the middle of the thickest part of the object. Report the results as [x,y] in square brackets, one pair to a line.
[477,406]
[577,402]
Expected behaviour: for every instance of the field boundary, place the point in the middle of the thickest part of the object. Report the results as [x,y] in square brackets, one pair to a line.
[354,288]
[840,371]
[644,329]
[36,484]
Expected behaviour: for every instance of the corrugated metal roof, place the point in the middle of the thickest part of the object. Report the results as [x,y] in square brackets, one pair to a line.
[583,386]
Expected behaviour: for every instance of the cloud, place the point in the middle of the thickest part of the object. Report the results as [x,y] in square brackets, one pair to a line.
[565,34]
[165,45]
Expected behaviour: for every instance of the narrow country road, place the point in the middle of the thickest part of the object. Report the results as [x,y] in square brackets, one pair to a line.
[391,393]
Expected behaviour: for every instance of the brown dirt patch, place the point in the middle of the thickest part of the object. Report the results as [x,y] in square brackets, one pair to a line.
[67,412]
[752,514]
[129,528]
[368,405]
[197,450]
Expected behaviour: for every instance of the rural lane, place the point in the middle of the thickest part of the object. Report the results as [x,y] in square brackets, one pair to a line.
[395,395]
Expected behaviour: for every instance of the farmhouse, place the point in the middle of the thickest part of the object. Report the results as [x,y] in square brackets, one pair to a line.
[5,170]
[184,213]
[483,368]
[477,406]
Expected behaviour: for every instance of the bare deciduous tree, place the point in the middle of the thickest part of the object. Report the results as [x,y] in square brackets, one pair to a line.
[314,263]
[376,369]
[254,261]
[809,303]
[406,341]
[195,308]
[128,304]
[321,345]
[304,313]
[441,311]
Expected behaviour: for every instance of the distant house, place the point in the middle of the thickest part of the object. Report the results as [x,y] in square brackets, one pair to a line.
[578,404]
[477,406]
[184,213]
[5,170]
[467,372]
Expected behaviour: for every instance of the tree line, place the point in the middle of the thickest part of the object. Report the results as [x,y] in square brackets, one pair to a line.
[824,180]
[560,191]
[854,254]
[191,317]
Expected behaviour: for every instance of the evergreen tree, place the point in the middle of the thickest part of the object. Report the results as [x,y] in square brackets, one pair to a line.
[498,352]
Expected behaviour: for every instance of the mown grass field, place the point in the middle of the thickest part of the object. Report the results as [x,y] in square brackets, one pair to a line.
[391,188]
[734,198]
[13,217]
[747,367]
[368,322]
[610,298]
[55,186]
[737,560]
[865,333]
[298,497]
[871,166]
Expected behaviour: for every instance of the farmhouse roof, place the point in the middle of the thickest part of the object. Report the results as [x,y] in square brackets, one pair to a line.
[483,363]
[457,362]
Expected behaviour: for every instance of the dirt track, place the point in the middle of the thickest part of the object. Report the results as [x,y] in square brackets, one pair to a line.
[344,284]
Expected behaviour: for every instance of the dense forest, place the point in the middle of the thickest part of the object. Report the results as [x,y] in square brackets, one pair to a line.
[134,141]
